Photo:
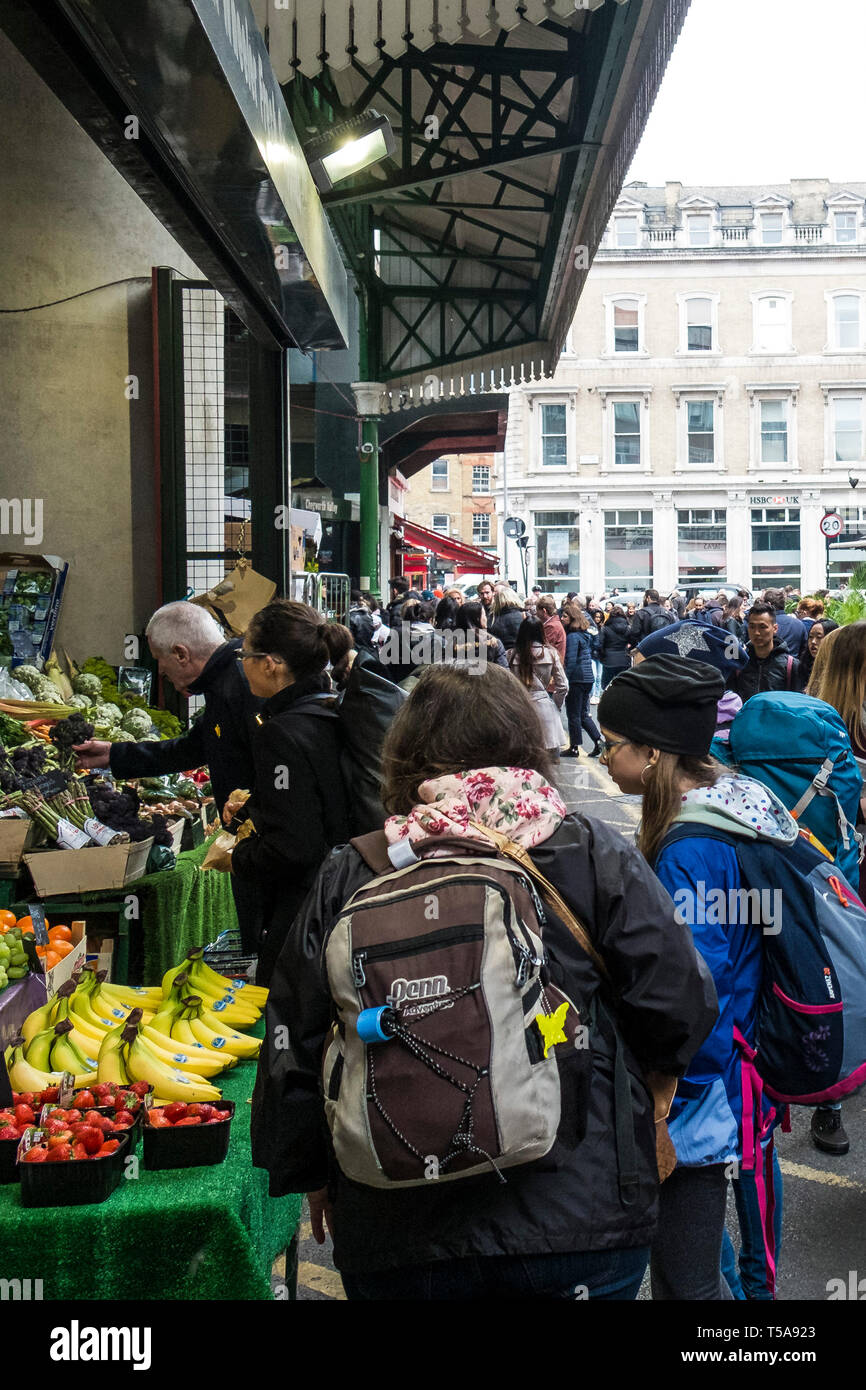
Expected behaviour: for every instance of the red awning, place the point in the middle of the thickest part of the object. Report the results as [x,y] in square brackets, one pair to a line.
[466,556]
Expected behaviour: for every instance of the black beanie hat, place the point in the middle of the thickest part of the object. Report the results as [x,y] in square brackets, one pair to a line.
[667,702]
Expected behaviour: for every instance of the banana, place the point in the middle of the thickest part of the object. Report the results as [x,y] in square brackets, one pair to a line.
[23,1076]
[235,1043]
[65,1056]
[220,1019]
[243,990]
[233,1015]
[163,1020]
[87,1043]
[183,1036]
[204,1066]
[39,1020]
[111,1062]
[38,1050]
[168,1081]
[80,1004]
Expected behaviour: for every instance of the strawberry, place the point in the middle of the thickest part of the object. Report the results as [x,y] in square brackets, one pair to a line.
[79,1151]
[10,1132]
[207,1112]
[37,1154]
[141,1088]
[59,1138]
[24,1114]
[51,1093]
[101,1122]
[7,1117]
[108,1147]
[91,1140]
[84,1100]
[223,1114]
[61,1154]
[157,1120]
[25,1098]
[74,1115]
[123,1119]
[176,1111]
[188,1120]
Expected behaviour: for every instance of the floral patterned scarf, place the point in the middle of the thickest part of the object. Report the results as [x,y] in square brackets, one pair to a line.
[514,800]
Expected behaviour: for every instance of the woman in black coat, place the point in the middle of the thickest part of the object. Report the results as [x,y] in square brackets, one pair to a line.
[508,614]
[578,1222]
[299,808]
[611,646]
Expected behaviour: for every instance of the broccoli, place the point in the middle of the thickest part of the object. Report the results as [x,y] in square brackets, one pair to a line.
[66,734]
[137,723]
[89,685]
[28,675]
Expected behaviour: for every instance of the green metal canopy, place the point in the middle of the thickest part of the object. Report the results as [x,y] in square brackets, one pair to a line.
[515,128]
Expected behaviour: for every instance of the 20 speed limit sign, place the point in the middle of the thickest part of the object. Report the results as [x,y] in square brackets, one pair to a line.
[832,525]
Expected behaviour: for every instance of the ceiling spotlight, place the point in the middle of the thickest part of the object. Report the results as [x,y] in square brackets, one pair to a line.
[348,148]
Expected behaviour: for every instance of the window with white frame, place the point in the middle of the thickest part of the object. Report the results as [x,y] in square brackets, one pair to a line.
[626,422]
[554,437]
[480,477]
[481,528]
[775,546]
[842,564]
[699,225]
[698,322]
[625,326]
[844,228]
[626,230]
[772,323]
[700,432]
[848,429]
[628,549]
[439,480]
[773,445]
[845,321]
[441,522]
[702,546]
[557,551]
[772,224]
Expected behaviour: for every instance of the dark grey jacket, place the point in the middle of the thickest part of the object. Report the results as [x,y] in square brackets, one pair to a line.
[568,1201]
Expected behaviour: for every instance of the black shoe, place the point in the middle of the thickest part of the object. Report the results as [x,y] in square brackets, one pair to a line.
[828,1133]
[596,752]
[570,753]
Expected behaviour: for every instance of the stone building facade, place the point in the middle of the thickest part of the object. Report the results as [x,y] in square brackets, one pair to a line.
[709,406]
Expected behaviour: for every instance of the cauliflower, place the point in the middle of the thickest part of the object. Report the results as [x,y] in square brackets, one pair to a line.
[118,735]
[136,722]
[85,684]
[28,675]
[79,702]
[108,714]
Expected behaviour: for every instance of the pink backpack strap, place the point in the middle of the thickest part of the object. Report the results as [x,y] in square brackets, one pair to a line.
[756,1156]
[789,666]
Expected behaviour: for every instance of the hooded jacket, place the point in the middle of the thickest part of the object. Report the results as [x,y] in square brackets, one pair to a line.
[578,657]
[568,1201]
[777,671]
[507,626]
[703,878]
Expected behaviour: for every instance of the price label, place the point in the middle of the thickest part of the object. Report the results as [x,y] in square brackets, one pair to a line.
[37,917]
[70,837]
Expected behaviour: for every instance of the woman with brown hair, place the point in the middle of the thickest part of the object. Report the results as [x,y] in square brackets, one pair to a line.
[658,721]
[580,674]
[540,670]
[298,810]
[467,746]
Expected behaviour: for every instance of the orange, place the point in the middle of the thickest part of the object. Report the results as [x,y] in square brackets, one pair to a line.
[52,959]
[60,933]
[60,948]
[7,919]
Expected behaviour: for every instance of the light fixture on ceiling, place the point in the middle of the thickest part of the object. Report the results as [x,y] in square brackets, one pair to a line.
[348,148]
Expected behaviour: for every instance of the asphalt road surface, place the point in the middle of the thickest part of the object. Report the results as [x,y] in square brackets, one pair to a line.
[824,1230]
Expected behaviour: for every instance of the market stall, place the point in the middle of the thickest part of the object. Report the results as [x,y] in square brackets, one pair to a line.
[198,1233]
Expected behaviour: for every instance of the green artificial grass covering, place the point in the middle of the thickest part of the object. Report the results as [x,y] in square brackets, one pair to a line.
[186,1233]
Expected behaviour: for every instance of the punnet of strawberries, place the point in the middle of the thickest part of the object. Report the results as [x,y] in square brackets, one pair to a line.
[66,1134]
[178,1114]
[104,1095]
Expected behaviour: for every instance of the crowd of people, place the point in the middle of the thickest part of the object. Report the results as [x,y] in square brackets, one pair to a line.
[468,731]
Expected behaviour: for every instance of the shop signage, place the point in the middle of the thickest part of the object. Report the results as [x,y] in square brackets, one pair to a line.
[777,499]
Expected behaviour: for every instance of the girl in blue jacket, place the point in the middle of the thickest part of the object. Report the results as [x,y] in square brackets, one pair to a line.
[658,721]
[580,673]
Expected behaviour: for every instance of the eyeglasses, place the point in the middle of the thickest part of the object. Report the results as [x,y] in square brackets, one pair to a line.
[608,745]
[250,656]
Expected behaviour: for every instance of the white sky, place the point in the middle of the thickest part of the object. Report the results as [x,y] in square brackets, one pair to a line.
[761,91]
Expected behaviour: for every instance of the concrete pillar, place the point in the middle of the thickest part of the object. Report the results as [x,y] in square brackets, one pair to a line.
[739,527]
[813,547]
[665,542]
[591,544]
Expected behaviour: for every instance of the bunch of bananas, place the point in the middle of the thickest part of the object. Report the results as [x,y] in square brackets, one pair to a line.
[238,1003]
[189,1022]
[129,1053]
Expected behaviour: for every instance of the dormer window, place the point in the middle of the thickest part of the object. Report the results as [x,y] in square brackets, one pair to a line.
[844,228]
[699,229]
[626,231]
[771,228]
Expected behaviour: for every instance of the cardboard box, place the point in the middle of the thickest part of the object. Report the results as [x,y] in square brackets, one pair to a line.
[176,828]
[32,615]
[18,1001]
[100,954]
[71,962]
[16,836]
[90,870]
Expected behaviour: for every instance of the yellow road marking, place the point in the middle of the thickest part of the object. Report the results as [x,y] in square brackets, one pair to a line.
[800,1170]
[320,1279]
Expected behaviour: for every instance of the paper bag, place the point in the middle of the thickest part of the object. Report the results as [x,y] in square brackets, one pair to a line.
[238,598]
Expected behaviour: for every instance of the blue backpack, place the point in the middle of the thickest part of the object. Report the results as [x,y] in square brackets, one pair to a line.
[799,748]
[810,1041]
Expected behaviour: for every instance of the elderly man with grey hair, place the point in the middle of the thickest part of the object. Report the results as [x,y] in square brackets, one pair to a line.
[194,655]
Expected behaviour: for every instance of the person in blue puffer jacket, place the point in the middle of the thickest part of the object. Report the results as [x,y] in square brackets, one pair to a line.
[581,676]
[658,721]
